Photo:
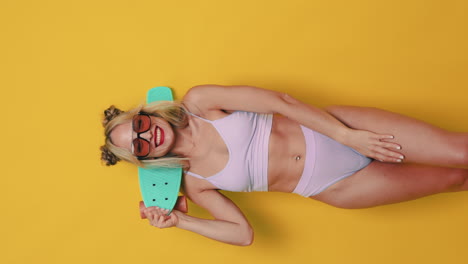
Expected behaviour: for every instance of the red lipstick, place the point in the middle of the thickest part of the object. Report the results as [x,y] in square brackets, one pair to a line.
[161,136]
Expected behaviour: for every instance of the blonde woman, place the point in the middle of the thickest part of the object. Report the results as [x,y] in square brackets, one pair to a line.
[242,138]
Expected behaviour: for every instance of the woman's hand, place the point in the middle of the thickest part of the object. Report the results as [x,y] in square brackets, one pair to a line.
[373,145]
[158,217]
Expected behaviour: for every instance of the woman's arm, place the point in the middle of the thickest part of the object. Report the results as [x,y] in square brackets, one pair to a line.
[229,224]
[204,98]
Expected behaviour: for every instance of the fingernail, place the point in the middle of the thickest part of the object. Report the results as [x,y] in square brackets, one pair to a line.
[399,160]
[401,157]
[398,147]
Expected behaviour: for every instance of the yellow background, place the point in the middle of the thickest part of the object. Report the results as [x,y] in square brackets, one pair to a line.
[63,62]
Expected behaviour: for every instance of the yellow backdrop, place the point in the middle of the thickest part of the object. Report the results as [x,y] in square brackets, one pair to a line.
[63,62]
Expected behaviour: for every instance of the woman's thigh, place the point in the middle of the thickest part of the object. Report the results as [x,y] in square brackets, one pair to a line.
[420,141]
[386,183]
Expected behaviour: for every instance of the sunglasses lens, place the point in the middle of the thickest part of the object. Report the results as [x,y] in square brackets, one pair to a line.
[141,147]
[141,123]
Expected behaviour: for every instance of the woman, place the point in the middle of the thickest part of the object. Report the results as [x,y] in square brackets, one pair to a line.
[330,156]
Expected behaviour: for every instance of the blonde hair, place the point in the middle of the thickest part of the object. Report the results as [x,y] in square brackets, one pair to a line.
[173,112]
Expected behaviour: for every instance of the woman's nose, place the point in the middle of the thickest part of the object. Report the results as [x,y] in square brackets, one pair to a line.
[147,135]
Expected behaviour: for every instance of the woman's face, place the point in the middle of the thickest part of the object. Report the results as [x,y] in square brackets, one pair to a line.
[160,136]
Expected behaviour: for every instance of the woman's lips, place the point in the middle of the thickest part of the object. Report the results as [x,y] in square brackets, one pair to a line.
[159,136]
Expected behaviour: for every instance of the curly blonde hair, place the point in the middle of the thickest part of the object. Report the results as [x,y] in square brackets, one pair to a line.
[173,112]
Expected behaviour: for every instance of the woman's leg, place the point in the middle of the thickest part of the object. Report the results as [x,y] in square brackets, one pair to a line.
[385,183]
[421,142]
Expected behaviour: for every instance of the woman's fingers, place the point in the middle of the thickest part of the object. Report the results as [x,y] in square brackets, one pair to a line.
[388,145]
[384,158]
[377,146]
[390,153]
[161,221]
[164,221]
[383,154]
[385,150]
[149,214]
[380,137]
[156,210]
[158,217]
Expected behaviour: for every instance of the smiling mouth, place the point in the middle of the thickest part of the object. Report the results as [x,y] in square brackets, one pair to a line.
[159,138]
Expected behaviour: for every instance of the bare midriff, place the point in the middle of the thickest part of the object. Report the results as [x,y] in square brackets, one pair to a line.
[286,155]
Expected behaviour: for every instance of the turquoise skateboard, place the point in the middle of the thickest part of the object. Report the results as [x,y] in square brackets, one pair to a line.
[160,187]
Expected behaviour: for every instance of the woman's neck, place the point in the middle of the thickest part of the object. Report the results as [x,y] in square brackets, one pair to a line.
[183,144]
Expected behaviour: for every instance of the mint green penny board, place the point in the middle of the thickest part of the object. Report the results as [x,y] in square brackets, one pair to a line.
[160,187]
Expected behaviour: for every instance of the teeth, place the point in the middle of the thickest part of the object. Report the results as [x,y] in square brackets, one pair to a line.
[158,136]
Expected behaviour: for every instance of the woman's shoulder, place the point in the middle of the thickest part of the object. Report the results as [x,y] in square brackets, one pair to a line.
[200,94]
[195,102]
[204,97]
